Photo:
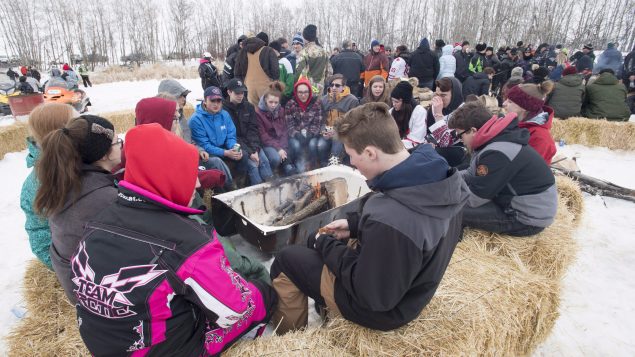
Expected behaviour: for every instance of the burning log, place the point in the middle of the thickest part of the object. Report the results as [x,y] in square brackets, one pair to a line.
[314,207]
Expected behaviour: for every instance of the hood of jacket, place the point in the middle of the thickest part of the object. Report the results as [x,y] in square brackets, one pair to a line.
[571,80]
[155,110]
[34,152]
[93,178]
[457,96]
[305,81]
[173,87]
[424,183]
[500,129]
[543,119]
[424,46]
[447,50]
[253,44]
[262,105]
[606,79]
[169,173]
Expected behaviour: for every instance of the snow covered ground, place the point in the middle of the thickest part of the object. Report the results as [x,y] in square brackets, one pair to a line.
[597,310]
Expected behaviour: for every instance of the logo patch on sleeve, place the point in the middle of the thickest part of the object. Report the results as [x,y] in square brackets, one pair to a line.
[481,170]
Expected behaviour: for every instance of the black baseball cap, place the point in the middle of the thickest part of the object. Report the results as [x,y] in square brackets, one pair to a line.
[236,85]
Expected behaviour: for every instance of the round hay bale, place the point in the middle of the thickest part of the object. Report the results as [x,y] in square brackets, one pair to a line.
[595,132]
[485,305]
[13,138]
[550,252]
[50,326]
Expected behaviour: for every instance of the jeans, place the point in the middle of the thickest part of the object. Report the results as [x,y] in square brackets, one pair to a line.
[490,217]
[257,172]
[290,166]
[215,162]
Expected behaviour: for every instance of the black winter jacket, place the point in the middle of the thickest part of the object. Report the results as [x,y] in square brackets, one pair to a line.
[244,118]
[477,84]
[349,64]
[424,64]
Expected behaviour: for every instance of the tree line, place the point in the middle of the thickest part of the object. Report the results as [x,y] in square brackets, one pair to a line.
[114,31]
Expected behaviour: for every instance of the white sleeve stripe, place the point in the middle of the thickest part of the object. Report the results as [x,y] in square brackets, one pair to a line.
[226,316]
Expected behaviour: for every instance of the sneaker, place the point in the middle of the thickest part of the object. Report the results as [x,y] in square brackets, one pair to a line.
[334,160]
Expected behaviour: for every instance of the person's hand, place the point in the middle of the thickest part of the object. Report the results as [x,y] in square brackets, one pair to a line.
[234,155]
[283,154]
[254,157]
[204,156]
[437,108]
[338,229]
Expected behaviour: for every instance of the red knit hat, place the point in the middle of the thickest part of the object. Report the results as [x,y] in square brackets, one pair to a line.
[155,110]
[211,178]
[526,101]
[569,70]
[161,163]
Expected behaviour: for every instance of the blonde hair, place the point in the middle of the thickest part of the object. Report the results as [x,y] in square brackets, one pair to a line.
[539,91]
[48,117]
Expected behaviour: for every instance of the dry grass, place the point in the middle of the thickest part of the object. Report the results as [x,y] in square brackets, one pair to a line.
[152,71]
[50,326]
[13,138]
[496,298]
[595,132]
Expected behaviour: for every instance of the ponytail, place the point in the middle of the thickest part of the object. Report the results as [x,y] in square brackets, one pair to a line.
[59,168]
[545,88]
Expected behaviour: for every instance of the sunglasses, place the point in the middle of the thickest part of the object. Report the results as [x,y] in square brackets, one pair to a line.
[336,85]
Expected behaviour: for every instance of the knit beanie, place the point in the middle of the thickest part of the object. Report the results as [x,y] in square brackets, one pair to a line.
[374,43]
[569,70]
[211,178]
[276,46]
[533,105]
[480,47]
[402,91]
[517,72]
[439,43]
[424,42]
[297,38]
[264,37]
[98,140]
[310,33]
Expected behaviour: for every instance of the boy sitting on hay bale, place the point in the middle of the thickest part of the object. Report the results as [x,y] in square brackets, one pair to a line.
[513,189]
[400,242]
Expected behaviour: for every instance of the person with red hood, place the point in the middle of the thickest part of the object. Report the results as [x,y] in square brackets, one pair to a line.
[304,120]
[528,102]
[151,282]
[513,191]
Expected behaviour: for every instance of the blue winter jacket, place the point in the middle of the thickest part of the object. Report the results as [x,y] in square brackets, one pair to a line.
[215,133]
[36,227]
[610,58]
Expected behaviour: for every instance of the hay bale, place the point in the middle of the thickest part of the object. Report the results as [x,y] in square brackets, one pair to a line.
[485,305]
[595,132]
[548,253]
[13,138]
[50,326]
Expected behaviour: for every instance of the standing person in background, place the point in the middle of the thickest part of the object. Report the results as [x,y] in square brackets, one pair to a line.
[71,78]
[284,44]
[399,67]
[286,73]
[230,59]
[424,65]
[349,64]
[13,75]
[314,60]
[477,62]
[297,45]
[447,63]
[438,47]
[375,63]
[610,58]
[83,72]
[207,71]
[462,62]
[257,66]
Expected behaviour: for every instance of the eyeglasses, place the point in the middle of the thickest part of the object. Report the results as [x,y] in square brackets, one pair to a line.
[336,85]
[303,92]
[118,142]
[459,136]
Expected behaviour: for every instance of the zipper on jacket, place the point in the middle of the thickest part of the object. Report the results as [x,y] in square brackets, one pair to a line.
[130,234]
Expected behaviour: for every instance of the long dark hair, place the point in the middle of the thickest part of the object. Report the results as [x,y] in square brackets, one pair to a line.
[402,117]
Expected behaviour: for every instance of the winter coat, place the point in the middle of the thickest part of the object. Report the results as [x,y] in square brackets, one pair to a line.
[286,76]
[375,64]
[313,63]
[540,133]
[506,170]
[477,84]
[299,118]
[477,63]
[13,75]
[208,73]
[214,133]
[417,128]
[293,59]
[491,61]
[150,281]
[334,108]
[606,98]
[36,226]
[399,67]
[585,62]
[272,126]
[71,78]
[267,60]
[567,97]
[175,88]
[629,64]
[228,67]
[455,102]
[244,118]
[462,71]
[447,63]
[611,58]
[424,64]
[411,224]
[349,64]
[25,88]
[97,192]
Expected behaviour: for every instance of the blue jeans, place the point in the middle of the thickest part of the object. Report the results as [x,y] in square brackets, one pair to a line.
[490,217]
[290,166]
[257,172]
[215,162]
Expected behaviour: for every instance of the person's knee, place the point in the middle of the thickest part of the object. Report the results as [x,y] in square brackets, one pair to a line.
[289,257]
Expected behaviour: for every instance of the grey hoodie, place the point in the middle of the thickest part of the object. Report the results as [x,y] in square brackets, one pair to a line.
[175,88]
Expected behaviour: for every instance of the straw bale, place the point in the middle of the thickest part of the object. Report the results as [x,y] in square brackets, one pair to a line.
[548,253]
[595,132]
[50,326]
[13,138]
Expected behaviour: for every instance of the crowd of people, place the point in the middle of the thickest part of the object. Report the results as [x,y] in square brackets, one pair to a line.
[28,78]
[124,228]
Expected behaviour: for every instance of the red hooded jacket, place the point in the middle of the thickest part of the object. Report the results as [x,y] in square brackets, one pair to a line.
[540,136]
